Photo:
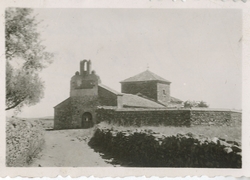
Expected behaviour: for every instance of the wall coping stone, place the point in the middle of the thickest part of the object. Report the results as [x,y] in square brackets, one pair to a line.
[165,109]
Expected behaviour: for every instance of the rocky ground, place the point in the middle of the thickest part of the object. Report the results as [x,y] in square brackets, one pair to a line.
[68,148]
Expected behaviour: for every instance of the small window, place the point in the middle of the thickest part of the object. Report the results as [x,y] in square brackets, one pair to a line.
[164,92]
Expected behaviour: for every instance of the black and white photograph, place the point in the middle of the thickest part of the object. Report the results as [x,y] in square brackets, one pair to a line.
[123,87]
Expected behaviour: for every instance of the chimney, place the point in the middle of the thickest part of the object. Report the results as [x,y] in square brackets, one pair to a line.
[119,101]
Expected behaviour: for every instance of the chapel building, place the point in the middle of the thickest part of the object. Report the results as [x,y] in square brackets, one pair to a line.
[87,93]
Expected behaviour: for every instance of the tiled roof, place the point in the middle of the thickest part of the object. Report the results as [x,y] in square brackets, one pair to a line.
[145,76]
[173,99]
[131,100]
[108,89]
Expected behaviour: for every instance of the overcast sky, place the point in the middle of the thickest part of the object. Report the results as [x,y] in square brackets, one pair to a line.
[199,51]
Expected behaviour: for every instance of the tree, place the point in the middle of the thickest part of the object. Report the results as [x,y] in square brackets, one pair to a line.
[25,58]
[190,104]
[203,104]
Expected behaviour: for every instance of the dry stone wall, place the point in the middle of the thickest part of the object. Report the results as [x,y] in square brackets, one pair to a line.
[24,139]
[139,117]
[141,148]
[219,118]
[236,119]
[169,117]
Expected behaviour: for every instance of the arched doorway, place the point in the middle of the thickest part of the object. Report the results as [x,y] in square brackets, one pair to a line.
[87,121]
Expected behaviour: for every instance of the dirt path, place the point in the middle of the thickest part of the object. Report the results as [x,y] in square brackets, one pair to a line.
[68,148]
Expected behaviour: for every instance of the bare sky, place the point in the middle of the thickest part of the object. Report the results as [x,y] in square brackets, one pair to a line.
[199,51]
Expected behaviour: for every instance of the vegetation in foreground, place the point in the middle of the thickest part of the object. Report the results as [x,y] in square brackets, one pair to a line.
[24,140]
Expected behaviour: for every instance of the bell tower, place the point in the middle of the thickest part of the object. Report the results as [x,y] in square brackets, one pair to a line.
[85,67]
[86,82]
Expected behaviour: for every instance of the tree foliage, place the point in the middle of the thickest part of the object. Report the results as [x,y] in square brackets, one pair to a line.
[190,104]
[23,47]
[203,104]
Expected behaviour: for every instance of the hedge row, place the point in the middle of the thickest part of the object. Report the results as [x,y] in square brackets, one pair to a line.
[24,139]
[144,148]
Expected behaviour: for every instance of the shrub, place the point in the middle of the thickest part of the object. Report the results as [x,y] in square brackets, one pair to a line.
[24,139]
[190,104]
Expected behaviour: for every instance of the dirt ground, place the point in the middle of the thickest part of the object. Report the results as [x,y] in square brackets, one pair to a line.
[68,148]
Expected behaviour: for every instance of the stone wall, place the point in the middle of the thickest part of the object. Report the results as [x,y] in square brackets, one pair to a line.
[63,114]
[163,93]
[140,117]
[68,114]
[215,117]
[144,148]
[170,117]
[148,89]
[80,105]
[24,139]
[236,118]
[106,97]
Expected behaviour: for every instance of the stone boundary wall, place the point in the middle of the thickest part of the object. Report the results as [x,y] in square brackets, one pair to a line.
[144,148]
[24,140]
[168,117]
[215,117]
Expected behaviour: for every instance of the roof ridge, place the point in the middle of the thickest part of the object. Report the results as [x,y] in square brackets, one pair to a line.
[146,75]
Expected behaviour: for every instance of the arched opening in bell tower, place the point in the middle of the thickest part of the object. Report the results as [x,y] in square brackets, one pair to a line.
[85,67]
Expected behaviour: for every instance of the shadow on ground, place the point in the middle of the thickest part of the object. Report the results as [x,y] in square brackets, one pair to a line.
[110,159]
